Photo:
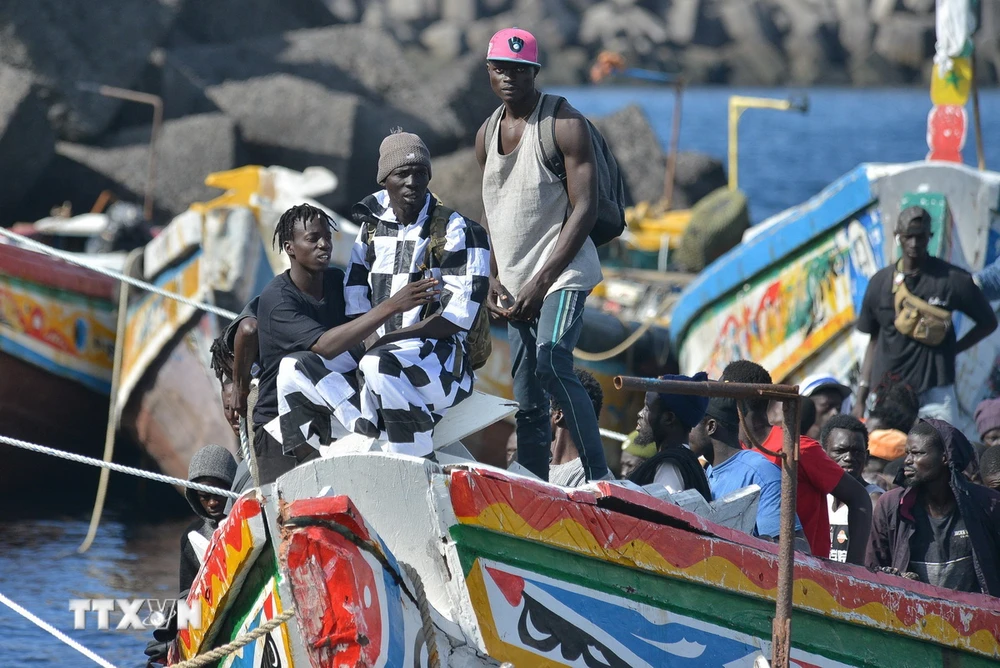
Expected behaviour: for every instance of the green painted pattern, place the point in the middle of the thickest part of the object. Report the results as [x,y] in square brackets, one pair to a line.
[262,570]
[832,638]
[59,294]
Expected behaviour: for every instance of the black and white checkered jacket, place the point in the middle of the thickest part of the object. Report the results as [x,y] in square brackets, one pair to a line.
[397,255]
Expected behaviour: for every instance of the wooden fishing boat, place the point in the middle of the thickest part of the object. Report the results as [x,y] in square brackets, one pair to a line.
[391,560]
[789,295]
[58,325]
[57,338]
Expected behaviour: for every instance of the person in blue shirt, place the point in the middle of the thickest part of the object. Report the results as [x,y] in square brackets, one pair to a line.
[716,438]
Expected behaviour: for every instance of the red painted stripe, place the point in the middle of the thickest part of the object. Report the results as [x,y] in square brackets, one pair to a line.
[54,273]
[689,540]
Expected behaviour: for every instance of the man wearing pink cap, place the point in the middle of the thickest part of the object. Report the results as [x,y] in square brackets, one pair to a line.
[544,263]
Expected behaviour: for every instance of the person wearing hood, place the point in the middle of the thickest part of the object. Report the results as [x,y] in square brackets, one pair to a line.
[941,528]
[214,466]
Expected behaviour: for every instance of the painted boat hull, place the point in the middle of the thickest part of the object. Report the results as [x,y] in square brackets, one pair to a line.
[57,337]
[526,572]
[788,296]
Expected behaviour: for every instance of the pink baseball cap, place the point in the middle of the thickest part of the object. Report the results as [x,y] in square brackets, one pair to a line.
[514,45]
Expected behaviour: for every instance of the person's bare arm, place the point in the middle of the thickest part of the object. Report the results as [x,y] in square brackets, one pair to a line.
[344,337]
[245,353]
[573,138]
[864,383]
[852,493]
[975,305]
[499,300]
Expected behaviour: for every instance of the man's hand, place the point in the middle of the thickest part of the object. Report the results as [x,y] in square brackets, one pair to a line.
[238,400]
[499,301]
[529,300]
[909,575]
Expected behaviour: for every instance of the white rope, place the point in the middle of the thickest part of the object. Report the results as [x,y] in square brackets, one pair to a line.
[77,260]
[55,632]
[241,641]
[149,475]
[613,435]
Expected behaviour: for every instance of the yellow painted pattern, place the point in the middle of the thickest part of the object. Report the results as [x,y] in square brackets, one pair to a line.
[495,647]
[235,560]
[48,326]
[719,572]
[954,86]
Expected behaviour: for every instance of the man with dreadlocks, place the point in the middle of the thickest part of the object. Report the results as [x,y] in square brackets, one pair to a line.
[234,353]
[420,366]
[302,311]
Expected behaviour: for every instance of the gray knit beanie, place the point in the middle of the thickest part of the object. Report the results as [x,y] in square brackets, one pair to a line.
[400,149]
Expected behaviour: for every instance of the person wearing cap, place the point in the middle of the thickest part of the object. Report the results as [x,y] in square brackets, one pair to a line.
[544,263]
[929,369]
[667,420]
[829,396]
[716,438]
[419,367]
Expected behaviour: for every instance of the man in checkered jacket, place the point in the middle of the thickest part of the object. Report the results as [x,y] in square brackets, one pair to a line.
[419,366]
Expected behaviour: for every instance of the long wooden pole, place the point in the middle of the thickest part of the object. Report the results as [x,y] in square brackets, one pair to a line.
[976,120]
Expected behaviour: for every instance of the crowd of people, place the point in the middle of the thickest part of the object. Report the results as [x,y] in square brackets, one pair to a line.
[388,346]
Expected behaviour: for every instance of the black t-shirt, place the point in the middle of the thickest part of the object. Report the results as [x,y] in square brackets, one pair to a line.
[939,284]
[941,552]
[290,321]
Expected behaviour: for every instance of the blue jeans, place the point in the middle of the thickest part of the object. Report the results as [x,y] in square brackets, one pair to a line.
[542,355]
[939,403]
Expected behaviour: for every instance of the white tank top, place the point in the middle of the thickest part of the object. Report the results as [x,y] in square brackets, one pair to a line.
[526,206]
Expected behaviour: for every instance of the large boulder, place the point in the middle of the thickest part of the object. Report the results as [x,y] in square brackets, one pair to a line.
[458,180]
[854,28]
[65,43]
[637,151]
[297,123]
[906,39]
[682,20]
[696,175]
[188,150]
[220,21]
[26,139]
[349,59]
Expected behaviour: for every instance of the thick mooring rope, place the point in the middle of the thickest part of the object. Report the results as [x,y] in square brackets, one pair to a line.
[111,273]
[241,641]
[120,468]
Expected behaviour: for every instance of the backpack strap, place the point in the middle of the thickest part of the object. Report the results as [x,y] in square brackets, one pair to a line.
[438,232]
[551,153]
[491,126]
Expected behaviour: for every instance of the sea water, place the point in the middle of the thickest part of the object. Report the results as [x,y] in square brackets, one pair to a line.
[785,158]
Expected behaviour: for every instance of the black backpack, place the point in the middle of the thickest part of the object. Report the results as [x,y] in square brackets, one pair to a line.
[611,197]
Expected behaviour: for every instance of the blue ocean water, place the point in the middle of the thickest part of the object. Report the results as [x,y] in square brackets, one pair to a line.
[787,157]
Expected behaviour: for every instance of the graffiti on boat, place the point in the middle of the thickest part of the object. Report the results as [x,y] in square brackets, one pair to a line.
[64,333]
[784,316]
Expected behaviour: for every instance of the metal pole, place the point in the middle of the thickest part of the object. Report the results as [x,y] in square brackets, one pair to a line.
[708,388]
[781,630]
[675,140]
[142,98]
[734,119]
[976,120]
